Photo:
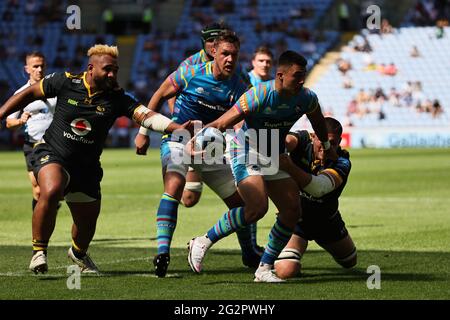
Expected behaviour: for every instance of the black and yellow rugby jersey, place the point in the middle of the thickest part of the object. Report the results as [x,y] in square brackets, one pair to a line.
[303,157]
[82,120]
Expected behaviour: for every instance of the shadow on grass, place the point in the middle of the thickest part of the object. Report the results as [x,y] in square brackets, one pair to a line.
[318,266]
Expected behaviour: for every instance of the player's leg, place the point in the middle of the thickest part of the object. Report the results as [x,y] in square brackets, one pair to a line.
[174,173]
[288,264]
[343,251]
[28,153]
[35,189]
[85,215]
[253,192]
[52,180]
[284,194]
[192,189]
[221,181]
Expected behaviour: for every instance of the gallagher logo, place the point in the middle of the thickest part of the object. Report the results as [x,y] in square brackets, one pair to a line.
[80,126]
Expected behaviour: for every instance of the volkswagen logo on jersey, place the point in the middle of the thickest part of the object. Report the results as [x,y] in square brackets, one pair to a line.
[80,126]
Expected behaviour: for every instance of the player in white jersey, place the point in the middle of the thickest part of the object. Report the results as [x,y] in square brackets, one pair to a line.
[35,118]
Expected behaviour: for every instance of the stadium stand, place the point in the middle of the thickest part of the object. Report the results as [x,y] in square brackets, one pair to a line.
[256,22]
[398,80]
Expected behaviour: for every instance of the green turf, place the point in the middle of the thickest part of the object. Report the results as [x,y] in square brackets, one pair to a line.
[396,207]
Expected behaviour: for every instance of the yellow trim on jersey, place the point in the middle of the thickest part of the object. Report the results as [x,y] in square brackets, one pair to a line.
[88,87]
[256,98]
[209,68]
[41,86]
[333,173]
[203,56]
[182,78]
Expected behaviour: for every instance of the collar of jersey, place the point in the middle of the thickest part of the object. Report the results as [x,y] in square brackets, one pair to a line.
[88,87]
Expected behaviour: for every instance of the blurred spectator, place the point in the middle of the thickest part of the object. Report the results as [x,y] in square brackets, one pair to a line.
[347,82]
[390,70]
[414,52]
[386,27]
[436,109]
[343,65]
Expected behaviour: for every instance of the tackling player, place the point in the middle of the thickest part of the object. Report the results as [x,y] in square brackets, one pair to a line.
[66,162]
[275,104]
[321,182]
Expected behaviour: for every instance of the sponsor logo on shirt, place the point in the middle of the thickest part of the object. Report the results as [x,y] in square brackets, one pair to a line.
[44,159]
[201,90]
[72,102]
[100,110]
[80,126]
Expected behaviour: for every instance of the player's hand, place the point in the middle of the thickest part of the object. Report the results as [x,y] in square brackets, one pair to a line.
[285,162]
[193,126]
[330,154]
[191,150]
[142,142]
[24,117]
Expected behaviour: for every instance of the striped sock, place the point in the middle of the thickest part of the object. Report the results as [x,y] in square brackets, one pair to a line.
[166,221]
[245,238]
[253,235]
[231,221]
[39,245]
[77,251]
[278,238]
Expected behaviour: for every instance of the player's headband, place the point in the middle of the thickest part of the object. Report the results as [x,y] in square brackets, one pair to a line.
[210,34]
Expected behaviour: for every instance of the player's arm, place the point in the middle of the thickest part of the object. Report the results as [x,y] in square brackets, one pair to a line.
[155,121]
[21,100]
[227,120]
[316,185]
[291,142]
[318,123]
[166,91]
[245,105]
[14,123]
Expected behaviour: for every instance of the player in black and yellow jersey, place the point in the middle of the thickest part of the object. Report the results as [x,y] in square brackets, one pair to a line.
[66,162]
[321,183]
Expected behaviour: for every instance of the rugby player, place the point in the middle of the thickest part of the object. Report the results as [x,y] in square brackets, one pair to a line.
[66,162]
[205,92]
[275,104]
[262,65]
[321,183]
[35,117]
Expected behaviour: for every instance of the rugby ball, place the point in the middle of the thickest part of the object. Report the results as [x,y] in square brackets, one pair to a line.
[210,140]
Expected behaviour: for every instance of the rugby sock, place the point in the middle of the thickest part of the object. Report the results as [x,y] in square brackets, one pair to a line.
[39,245]
[278,238]
[33,203]
[77,251]
[245,238]
[166,221]
[231,221]
[253,235]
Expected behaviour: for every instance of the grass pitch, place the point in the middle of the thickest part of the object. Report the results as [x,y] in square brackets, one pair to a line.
[396,207]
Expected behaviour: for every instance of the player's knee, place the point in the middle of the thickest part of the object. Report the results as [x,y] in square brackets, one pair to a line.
[190,200]
[288,263]
[51,193]
[254,213]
